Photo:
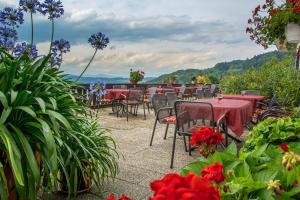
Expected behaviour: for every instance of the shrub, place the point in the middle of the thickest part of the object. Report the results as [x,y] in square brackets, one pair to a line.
[276,77]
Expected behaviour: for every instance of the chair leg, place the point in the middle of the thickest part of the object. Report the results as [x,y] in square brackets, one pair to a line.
[185,146]
[173,148]
[144,108]
[166,132]
[190,148]
[127,111]
[148,106]
[153,131]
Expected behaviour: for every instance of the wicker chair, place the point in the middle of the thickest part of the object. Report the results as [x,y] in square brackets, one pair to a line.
[163,113]
[191,115]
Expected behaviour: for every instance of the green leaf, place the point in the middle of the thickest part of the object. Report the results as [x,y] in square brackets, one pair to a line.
[3,100]
[13,156]
[3,184]
[231,149]
[53,102]
[41,103]
[13,96]
[26,109]
[28,152]
[50,142]
[5,114]
[59,117]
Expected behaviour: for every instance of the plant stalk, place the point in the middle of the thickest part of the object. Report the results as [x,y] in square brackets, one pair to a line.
[52,35]
[31,19]
[87,66]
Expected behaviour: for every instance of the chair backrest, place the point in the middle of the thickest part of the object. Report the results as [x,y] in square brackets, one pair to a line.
[119,86]
[199,94]
[207,93]
[135,95]
[190,114]
[159,101]
[250,92]
[200,87]
[152,91]
[171,98]
[181,91]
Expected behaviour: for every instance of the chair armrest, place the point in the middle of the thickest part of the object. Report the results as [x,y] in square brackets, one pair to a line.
[164,108]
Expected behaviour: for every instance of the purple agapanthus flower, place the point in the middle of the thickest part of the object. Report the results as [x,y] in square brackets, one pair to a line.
[98,41]
[53,8]
[7,44]
[8,33]
[11,17]
[98,88]
[25,49]
[30,5]
[60,46]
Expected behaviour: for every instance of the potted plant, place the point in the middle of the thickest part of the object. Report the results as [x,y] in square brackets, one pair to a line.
[136,76]
[201,80]
[275,24]
[171,79]
[40,117]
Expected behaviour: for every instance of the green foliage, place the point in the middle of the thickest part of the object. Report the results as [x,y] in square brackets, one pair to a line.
[273,131]
[184,76]
[276,77]
[39,124]
[248,174]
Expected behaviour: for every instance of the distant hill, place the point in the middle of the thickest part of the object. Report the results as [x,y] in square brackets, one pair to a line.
[90,79]
[184,76]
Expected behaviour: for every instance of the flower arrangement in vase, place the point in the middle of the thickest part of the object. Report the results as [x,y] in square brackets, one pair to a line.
[275,24]
[136,76]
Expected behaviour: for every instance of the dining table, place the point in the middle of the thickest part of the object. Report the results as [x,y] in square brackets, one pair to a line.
[237,112]
[116,94]
[252,98]
[188,90]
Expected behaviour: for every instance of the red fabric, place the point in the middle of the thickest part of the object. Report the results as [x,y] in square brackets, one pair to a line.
[162,90]
[171,119]
[252,98]
[188,90]
[116,93]
[238,112]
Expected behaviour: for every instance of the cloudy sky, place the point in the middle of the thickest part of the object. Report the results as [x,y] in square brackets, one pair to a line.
[156,36]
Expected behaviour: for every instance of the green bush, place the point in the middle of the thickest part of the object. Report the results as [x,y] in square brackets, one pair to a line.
[277,77]
[273,131]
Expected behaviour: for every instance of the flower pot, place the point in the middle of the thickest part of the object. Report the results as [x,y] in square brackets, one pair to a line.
[133,82]
[292,33]
[170,82]
[281,46]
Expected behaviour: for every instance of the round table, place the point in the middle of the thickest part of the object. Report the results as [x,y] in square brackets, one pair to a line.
[116,93]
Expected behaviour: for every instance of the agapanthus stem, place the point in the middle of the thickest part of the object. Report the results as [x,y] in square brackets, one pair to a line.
[52,35]
[60,61]
[87,66]
[31,19]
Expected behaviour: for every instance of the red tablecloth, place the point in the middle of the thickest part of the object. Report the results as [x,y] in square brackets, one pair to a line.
[238,112]
[116,93]
[188,90]
[252,98]
[164,90]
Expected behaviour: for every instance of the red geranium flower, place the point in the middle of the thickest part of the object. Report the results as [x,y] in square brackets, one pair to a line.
[214,173]
[191,187]
[123,197]
[284,147]
[206,135]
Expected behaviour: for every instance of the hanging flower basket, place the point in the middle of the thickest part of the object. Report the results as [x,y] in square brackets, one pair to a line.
[292,33]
